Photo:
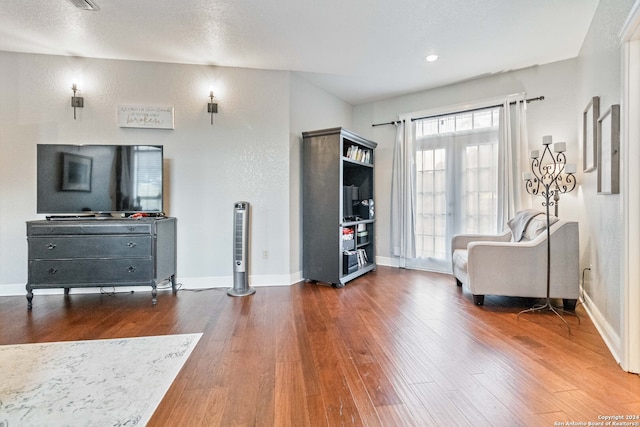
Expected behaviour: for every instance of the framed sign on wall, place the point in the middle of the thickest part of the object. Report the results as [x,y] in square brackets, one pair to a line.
[140,116]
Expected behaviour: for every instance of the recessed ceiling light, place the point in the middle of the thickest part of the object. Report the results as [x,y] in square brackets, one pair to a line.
[85,4]
[431,58]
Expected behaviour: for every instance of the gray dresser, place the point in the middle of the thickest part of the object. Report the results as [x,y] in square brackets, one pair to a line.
[82,253]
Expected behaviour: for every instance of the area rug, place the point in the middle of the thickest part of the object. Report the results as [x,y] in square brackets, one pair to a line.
[115,382]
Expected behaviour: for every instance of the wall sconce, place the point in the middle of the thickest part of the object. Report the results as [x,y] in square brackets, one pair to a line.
[76,101]
[212,107]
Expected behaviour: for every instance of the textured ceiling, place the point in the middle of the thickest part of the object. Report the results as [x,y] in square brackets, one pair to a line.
[359,50]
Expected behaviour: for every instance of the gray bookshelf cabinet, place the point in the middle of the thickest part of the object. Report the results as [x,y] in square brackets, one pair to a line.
[338,221]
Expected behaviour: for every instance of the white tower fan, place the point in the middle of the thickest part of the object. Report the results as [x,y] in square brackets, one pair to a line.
[240,251]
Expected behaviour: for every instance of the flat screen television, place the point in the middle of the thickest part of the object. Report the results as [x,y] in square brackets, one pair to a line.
[99,179]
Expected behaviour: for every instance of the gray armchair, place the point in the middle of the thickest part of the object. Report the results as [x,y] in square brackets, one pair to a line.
[496,265]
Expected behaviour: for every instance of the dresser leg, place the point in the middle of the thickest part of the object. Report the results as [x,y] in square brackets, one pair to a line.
[173,285]
[154,294]
[29,298]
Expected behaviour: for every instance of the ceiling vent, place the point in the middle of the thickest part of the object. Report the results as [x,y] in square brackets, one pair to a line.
[84,4]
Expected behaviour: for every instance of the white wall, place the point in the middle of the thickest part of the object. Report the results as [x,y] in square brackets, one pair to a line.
[601,219]
[554,116]
[311,108]
[245,155]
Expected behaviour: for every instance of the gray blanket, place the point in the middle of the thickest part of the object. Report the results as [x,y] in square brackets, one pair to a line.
[518,224]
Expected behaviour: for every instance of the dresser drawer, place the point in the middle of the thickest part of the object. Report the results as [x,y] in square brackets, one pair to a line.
[100,227]
[89,247]
[90,271]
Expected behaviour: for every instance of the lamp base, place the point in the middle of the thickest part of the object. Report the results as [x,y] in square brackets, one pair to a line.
[240,292]
[548,306]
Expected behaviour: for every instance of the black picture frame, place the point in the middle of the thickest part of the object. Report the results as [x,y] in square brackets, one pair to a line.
[76,172]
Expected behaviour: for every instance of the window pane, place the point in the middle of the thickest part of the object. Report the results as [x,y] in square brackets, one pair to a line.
[472,180]
[464,122]
[419,224]
[476,179]
[471,158]
[428,182]
[496,117]
[439,245]
[430,127]
[440,225]
[428,160]
[485,179]
[485,155]
[440,205]
[482,119]
[439,181]
[439,160]
[447,124]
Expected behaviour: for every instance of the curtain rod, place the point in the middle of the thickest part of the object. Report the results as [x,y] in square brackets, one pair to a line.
[539,98]
[388,123]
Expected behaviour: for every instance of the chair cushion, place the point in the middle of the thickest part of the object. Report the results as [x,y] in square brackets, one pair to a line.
[460,257]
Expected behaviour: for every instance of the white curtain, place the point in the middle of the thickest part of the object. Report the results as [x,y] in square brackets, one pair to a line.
[512,144]
[403,196]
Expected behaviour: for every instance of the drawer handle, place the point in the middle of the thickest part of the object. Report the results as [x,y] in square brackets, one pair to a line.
[131,244]
[131,269]
[52,270]
[51,246]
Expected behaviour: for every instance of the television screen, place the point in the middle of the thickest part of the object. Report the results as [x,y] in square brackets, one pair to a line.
[73,179]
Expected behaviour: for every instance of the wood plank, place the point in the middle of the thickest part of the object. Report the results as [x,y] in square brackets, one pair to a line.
[393,347]
[290,403]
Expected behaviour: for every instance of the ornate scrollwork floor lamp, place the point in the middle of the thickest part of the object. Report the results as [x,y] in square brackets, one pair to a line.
[550,176]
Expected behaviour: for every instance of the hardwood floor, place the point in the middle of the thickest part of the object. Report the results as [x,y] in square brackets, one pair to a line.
[393,348]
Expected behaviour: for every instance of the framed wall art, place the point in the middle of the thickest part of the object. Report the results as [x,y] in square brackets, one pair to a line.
[141,116]
[609,151]
[590,134]
[76,172]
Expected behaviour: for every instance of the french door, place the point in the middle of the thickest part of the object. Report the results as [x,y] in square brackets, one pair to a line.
[456,175]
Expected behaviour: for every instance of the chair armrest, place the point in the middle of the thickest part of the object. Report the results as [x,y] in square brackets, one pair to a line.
[507,268]
[461,241]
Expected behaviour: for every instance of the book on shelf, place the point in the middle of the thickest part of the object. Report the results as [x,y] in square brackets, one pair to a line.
[358,154]
[362,257]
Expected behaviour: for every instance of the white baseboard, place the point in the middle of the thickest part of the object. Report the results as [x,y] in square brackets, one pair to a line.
[395,262]
[608,334]
[187,283]
[227,281]
[388,262]
[13,290]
